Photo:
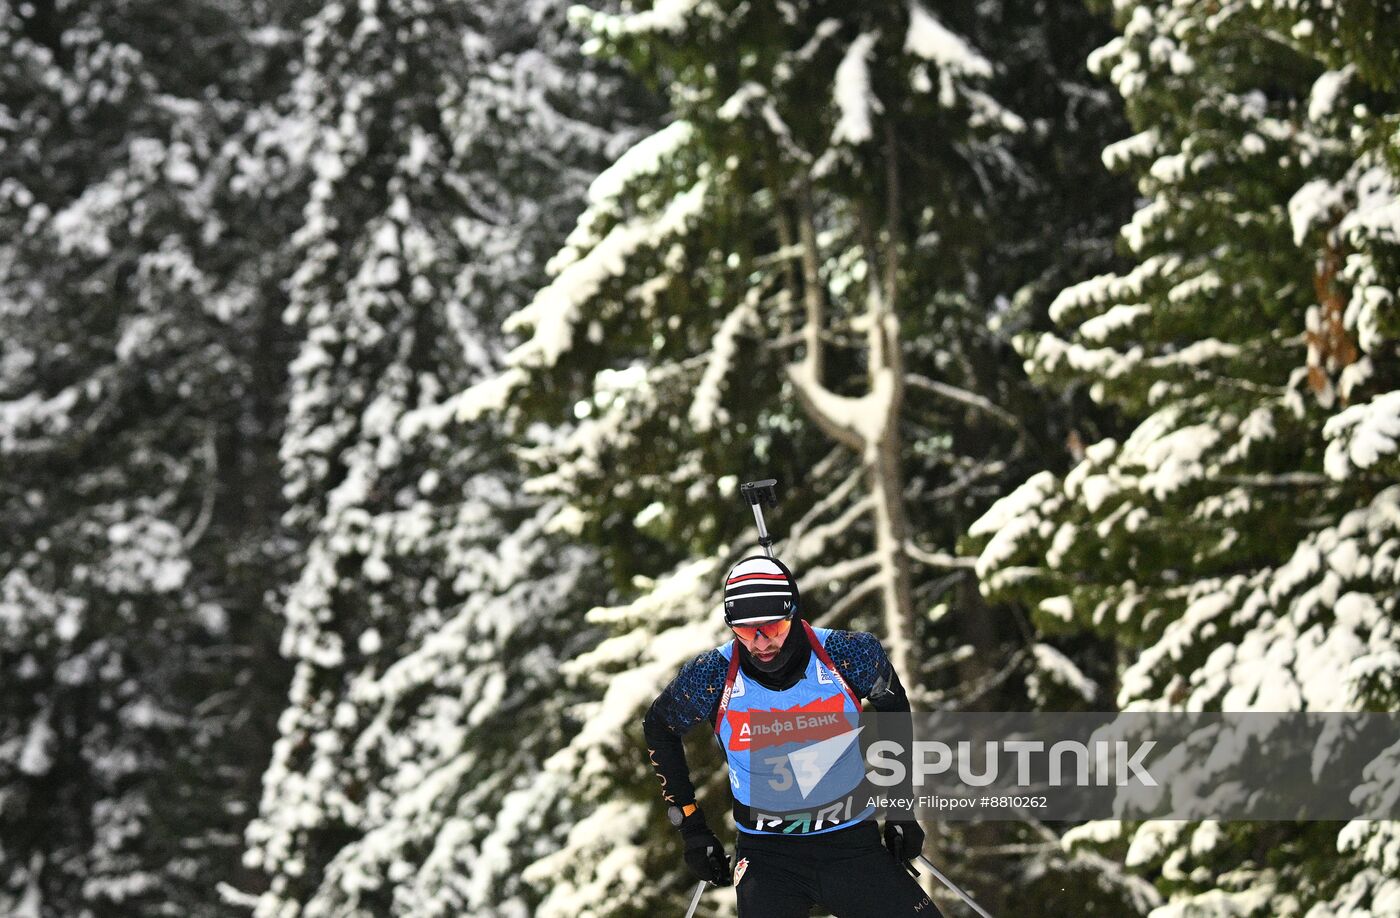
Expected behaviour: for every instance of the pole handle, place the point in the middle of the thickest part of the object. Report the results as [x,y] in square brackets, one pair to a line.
[760,492]
[757,494]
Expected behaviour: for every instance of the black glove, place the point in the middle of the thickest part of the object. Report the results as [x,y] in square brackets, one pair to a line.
[904,839]
[704,854]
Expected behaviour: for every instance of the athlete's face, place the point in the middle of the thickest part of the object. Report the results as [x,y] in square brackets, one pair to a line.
[765,640]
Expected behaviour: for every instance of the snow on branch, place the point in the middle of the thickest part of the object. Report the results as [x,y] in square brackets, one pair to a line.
[1110,289]
[854,98]
[554,313]
[643,158]
[938,559]
[705,410]
[843,570]
[930,39]
[1052,664]
[664,16]
[1011,522]
[1362,436]
[857,422]
[556,309]
[811,544]
[833,497]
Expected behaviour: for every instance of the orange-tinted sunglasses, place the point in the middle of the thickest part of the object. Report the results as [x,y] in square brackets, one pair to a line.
[774,631]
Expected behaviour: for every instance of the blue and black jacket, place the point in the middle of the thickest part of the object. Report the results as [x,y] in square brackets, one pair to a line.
[695,695]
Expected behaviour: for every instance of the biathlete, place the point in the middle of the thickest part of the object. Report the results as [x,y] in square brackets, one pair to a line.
[831,855]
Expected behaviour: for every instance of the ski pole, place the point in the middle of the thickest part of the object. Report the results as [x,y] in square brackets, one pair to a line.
[953,886]
[758,493]
[695,899]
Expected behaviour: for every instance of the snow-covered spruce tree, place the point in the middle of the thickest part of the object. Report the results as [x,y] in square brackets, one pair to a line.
[447,149]
[138,485]
[1240,544]
[794,277]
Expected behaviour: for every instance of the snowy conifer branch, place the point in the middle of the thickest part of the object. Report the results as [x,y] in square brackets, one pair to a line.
[56,413]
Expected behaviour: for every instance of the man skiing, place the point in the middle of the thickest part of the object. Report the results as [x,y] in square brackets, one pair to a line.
[776,664]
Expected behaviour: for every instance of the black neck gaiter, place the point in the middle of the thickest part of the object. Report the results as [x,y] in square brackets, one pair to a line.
[786,669]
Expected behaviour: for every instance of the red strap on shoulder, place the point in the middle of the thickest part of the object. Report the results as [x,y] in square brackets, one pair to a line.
[825,657]
[817,648]
[728,684]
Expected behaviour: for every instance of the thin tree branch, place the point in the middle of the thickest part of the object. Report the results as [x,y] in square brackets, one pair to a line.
[206,509]
[813,542]
[837,495]
[967,479]
[938,559]
[1009,668]
[812,290]
[1012,850]
[963,396]
[826,408]
[823,575]
[949,658]
[1282,480]
[892,240]
[827,463]
[787,251]
[848,602]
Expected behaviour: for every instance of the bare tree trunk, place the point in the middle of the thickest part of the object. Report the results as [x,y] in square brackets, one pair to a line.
[882,457]
[891,528]
[809,375]
[811,281]
[868,425]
